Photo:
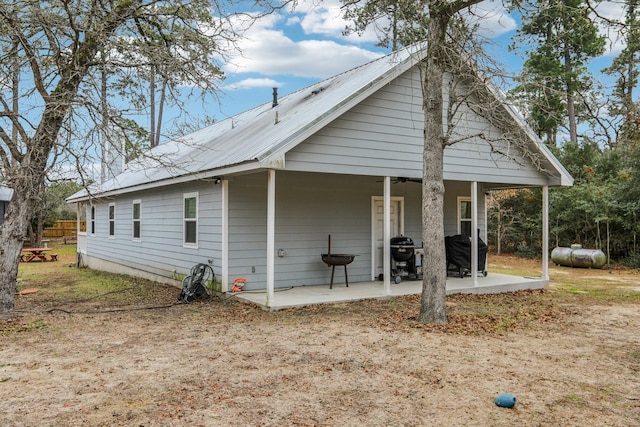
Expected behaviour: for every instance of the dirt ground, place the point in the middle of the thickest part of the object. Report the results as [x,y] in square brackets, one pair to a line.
[92,362]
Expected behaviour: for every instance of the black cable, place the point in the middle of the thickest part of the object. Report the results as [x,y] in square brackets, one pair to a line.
[114,310]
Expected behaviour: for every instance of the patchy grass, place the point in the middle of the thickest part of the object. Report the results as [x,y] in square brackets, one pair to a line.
[92,349]
[61,286]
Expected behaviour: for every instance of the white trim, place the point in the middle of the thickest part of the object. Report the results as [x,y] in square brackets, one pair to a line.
[134,220]
[111,220]
[545,232]
[225,236]
[386,262]
[459,213]
[193,177]
[474,232]
[375,199]
[91,227]
[79,207]
[271,232]
[185,196]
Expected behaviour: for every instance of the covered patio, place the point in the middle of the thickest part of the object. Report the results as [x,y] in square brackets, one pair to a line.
[321,294]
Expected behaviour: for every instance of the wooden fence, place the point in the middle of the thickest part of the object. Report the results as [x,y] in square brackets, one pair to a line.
[61,228]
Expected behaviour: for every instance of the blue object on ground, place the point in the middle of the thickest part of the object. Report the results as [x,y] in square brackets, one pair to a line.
[506,401]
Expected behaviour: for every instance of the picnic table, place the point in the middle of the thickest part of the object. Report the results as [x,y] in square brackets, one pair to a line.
[30,254]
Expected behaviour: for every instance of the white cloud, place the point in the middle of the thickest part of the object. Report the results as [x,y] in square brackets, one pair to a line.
[613,12]
[309,42]
[267,50]
[252,83]
[492,18]
[326,19]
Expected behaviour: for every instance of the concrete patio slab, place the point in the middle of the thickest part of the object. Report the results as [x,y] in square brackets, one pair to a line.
[321,294]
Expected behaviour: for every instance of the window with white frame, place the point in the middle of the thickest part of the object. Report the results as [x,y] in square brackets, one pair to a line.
[190,219]
[92,219]
[464,216]
[82,218]
[112,220]
[137,220]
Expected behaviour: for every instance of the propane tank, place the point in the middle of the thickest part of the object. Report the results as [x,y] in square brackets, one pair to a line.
[561,256]
[576,256]
[588,258]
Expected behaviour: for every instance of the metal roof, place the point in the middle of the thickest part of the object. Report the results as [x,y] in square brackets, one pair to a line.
[260,133]
[259,137]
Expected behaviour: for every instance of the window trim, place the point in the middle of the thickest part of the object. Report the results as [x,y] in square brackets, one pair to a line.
[82,217]
[92,219]
[185,196]
[138,220]
[461,200]
[111,231]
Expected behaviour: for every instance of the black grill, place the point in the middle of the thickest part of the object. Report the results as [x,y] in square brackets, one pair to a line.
[402,248]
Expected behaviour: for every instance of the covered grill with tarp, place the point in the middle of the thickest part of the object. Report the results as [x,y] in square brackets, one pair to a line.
[458,252]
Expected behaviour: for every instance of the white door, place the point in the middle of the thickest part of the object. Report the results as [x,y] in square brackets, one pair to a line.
[397,227]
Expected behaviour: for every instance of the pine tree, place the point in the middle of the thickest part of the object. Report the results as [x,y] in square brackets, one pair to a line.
[555,71]
[626,67]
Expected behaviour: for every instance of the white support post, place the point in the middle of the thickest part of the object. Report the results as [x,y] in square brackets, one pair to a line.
[225,236]
[386,253]
[271,233]
[485,235]
[474,232]
[545,232]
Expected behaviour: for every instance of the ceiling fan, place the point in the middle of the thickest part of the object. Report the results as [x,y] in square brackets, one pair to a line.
[402,179]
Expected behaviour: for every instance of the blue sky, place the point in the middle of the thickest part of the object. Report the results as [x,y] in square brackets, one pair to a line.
[294,49]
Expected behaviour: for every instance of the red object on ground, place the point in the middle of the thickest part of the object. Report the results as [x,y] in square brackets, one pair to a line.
[28,291]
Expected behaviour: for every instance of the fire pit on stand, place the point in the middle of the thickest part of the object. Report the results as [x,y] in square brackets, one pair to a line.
[337,259]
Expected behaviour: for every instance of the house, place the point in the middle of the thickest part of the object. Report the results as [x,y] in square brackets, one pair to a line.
[258,195]
[5,196]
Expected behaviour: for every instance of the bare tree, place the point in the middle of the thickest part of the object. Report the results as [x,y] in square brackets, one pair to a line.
[437,15]
[453,65]
[64,51]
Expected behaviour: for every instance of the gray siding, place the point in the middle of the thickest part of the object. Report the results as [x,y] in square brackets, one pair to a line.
[453,190]
[384,136]
[160,249]
[309,208]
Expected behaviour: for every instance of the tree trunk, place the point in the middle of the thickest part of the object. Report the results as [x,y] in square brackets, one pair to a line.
[152,107]
[434,282]
[163,96]
[571,109]
[14,228]
[31,235]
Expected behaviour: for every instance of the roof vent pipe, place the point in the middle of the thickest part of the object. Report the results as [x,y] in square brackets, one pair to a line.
[275,97]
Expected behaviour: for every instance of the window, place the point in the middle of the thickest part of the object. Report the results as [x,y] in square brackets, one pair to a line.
[82,217]
[464,216]
[93,219]
[136,220]
[191,219]
[112,220]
